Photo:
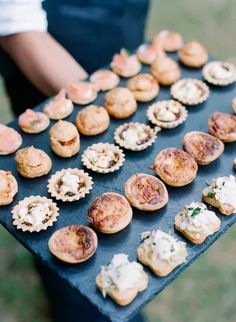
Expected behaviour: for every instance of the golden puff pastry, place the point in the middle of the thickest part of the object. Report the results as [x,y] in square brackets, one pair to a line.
[82,92]
[193,54]
[104,79]
[165,70]
[8,187]
[10,140]
[144,87]
[125,65]
[33,122]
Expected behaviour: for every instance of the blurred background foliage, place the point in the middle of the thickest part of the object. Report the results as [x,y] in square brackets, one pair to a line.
[206,291]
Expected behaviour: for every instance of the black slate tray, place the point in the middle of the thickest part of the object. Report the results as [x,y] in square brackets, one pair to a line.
[82,277]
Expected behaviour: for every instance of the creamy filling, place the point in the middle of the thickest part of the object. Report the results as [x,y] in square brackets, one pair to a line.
[103,159]
[70,184]
[35,214]
[135,135]
[189,90]
[220,72]
[224,191]
[168,112]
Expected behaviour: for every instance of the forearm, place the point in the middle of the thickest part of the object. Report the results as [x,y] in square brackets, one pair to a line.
[42,60]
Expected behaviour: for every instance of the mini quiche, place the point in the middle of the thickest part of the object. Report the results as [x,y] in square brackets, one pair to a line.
[34,213]
[167,114]
[103,157]
[193,54]
[165,70]
[146,192]
[104,79]
[10,140]
[82,92]
[33,122]
[175,167]
[222,194]
[73,244]
[122,280]
[196,222]
[110,213]
[144,87]
[69,184]
[8,187]
[203,147]
[135,136]
[219,73]
[190,91]
[125,65]
[161,252]
[223,126]
[64,139]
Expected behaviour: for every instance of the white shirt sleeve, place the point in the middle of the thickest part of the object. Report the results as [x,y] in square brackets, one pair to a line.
[21,15]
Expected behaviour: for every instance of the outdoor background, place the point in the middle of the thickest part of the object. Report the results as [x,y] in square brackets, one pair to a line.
[206,292]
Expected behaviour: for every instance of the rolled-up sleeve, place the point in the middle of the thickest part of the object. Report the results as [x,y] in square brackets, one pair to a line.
[21,15]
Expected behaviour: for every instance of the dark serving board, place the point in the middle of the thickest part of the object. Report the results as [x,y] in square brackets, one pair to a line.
[82,276]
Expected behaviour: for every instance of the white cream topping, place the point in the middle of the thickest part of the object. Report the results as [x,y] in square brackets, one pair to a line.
[218,71]
[70,183]
[101,159]
[134,135]
[167,111]
[225,190]
[189,90]
[36,214]
[121,274]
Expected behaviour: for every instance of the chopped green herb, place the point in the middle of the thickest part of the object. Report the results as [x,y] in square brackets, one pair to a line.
[211,195]
[196,212]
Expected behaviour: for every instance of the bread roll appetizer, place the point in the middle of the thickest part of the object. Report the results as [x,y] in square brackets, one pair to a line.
[193,54]
[125,65]
[33,122]
[8,187]
[10,140]
[122,280]
[223,126]
[222,194]
[144,87]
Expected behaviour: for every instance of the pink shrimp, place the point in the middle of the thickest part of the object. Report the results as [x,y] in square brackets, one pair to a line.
[104,79]
[10,140]
[125,65]
[82,92]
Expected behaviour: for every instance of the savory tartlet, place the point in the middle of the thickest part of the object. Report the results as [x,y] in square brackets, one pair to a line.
[82,92]
[103,157]
[69,184]
[125,65]
[144,87]
[165,70]
[219,73]
[64,139]
[167,114]
[34,213]
[32,162]
[193,54]
[10,140]
[203,147]
[92,120]
[223,126]
[110,213]
[161,252]
[135,136]
[122,280]
[221,194]
[233,104]
[196,222]
[147,53]
[33,122]
[190,91]
[73,244]
[104,79]
[8,187]
[59,107]
[172,41]
[146,192]
[175,167]
[120,103]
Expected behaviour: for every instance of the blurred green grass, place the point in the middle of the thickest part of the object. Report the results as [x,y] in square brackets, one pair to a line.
[206,291]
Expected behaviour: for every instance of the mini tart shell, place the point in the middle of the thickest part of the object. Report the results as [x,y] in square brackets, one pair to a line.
[99,147]
[56,177]
[133,192]
[6,197]
[25,202]
[206,72]
[73,244]
[223,126]
[32,130]
[166,125]
[123,144]
[174,91]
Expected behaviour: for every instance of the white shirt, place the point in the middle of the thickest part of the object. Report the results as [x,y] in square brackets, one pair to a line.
[21,15]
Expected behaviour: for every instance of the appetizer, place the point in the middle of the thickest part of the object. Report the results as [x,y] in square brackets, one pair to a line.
[73,244]
[82,92]
[233,104]
[172,41]
[190,91]
[120,103]
[34,213]
[125,65]
[103,157]
[196,222]
[193,54]
[122,280]
[161,252]
[32,162]
[167,114]
[165,70]
[69,184]
[219,73]
[234,165]
[175,167]
[104,79]
[147,53]
[203,147]
[59,107]
[64,139]
[110,213]
[33,122]
[10,140]
[222,194]
[92,120]
[144,87]
[223,126]
[8,187]
[146,192]
[135,136]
